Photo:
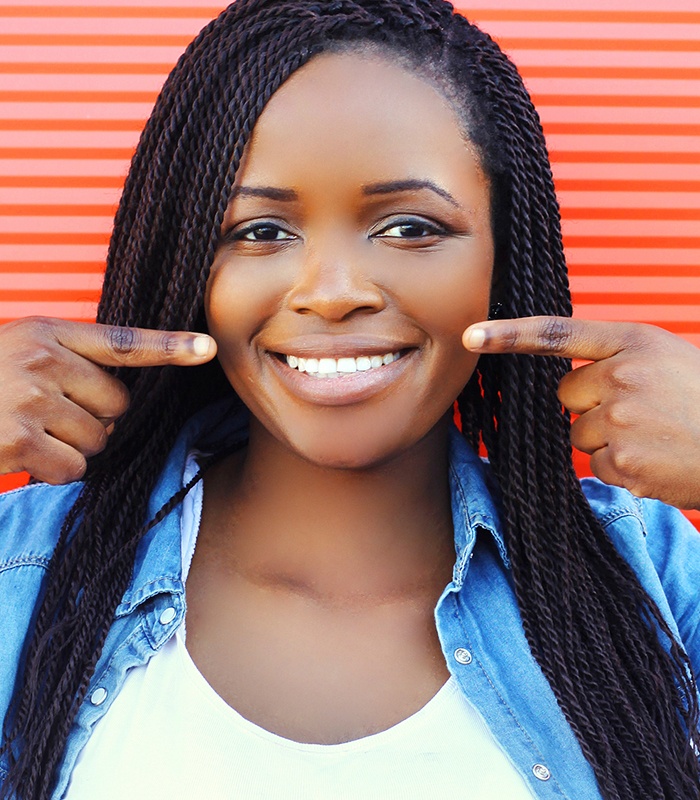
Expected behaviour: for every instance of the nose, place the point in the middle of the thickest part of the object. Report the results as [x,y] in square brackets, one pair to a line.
[334,286]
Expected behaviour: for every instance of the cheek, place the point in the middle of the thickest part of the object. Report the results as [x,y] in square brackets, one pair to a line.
[452,299]
[230,307]
[454,294]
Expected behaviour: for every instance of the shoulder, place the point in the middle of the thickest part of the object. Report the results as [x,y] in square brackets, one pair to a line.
[610,503]
[633,522]
[30,521]
[662,547]
[30,524]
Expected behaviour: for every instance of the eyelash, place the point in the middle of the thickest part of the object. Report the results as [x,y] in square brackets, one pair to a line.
[428,227]
[239,235]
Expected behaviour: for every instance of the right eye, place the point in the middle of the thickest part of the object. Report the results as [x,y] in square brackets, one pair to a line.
[260,232]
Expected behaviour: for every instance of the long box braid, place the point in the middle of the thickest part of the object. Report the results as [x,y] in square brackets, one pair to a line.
[623,683]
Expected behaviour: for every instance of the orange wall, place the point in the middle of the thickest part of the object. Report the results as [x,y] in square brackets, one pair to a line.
[617,83]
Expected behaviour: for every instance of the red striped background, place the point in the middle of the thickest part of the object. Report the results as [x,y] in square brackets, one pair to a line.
[617,84]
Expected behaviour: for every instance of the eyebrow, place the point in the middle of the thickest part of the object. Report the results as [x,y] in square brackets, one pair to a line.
[270,192]
[387,187]
[390,187]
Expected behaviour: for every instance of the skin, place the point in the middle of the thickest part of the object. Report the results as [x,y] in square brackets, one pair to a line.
[340,273]
[637,399]
[328,544]
[331,537]
[58,405]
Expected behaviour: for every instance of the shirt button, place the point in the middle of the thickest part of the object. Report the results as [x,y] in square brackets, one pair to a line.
[463,656]
[98,696]
[541,772]
[167,616]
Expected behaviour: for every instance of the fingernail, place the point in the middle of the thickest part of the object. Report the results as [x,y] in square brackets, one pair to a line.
[476,338]
[201,346]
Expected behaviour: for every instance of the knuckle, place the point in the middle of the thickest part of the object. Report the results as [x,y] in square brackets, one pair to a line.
[556,334]
[72,469]
[636,488]
[20,440]
[38,358]
[168,343]
[97,441]
[116,402]
[510,339]
[23,335]
[40,327]
[620,415]
[624,377]
[625,464]
[643,337]
[638,483]
[32,396]
[124,341]
[122,401]
[33,333]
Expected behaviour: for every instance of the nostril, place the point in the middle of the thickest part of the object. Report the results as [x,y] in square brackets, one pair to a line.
[334,291]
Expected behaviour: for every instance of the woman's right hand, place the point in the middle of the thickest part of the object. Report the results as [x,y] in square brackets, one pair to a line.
[57,404]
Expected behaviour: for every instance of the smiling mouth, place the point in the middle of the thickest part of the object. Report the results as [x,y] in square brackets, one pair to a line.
[337,367]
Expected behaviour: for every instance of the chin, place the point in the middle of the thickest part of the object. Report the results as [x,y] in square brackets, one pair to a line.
[347,452]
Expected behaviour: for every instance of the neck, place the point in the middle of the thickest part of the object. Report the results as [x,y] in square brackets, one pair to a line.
[377,533]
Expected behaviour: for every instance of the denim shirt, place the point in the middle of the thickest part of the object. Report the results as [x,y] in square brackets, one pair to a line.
[477,617]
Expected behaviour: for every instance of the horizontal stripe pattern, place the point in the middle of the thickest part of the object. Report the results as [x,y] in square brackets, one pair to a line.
[617,86]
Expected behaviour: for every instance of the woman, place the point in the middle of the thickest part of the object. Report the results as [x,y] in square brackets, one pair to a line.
[335,191]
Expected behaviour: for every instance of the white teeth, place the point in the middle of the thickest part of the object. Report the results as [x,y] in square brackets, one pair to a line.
[330,367]
[346,365]
[327,366]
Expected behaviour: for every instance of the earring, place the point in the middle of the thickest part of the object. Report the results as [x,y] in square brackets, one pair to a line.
[495,310]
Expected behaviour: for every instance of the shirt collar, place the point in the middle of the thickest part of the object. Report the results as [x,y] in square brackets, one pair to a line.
[158,564]
[474,507]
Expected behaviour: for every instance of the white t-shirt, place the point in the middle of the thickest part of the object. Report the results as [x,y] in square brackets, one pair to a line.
[169,735]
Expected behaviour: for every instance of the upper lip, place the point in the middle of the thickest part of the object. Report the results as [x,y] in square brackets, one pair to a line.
[338,346]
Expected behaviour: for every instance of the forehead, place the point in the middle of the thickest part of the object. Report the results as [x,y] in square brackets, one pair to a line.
[361,113]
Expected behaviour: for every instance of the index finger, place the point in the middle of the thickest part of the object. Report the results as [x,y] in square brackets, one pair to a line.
[117,346]
[591,340]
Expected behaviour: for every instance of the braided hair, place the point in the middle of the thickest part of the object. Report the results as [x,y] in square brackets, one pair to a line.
[623,683]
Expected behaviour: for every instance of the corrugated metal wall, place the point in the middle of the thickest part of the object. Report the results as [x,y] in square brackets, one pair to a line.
[617,83]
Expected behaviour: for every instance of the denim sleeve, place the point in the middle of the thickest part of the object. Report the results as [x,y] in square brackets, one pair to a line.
[663,548]
[30,520]
[673,545]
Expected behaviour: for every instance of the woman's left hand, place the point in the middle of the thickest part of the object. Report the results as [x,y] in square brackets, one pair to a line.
[638,401]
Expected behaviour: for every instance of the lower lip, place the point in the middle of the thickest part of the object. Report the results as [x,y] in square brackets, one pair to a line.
[342,390]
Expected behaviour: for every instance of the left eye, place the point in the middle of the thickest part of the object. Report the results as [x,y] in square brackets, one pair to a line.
[263,233]
[410,229]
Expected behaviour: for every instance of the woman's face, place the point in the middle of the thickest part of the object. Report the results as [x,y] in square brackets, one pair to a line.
[358,247]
